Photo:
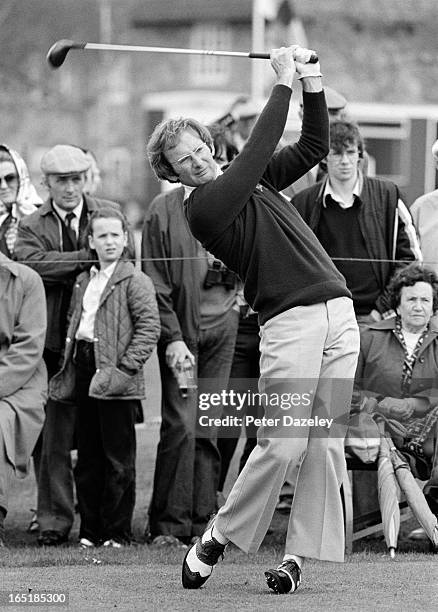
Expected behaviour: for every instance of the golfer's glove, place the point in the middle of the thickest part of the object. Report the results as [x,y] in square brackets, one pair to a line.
[305,69]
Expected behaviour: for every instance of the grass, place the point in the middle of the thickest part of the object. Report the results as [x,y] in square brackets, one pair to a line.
[141,578]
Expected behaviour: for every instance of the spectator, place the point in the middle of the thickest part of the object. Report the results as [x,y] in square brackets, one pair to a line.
[17,197]
[361,222]
[240,216]
[245,369]
[52,242]
[23,376]
[199,322]
[365,227]
[115,304]
[239,120]
[424,212]
[398,365]
[336,104]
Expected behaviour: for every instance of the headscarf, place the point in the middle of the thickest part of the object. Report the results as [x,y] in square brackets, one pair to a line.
[27,198]
[26,201]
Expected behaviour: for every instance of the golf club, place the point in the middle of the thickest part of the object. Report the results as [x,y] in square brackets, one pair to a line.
[58,52]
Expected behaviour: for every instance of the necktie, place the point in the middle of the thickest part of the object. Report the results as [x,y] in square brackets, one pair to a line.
[70,230]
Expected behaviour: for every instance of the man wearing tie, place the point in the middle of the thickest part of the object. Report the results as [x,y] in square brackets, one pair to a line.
[52,241]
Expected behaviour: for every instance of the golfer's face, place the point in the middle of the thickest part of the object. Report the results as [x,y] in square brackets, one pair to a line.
[192,160]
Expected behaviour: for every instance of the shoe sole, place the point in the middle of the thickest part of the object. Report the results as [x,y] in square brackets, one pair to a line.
[190,583]
[274,582]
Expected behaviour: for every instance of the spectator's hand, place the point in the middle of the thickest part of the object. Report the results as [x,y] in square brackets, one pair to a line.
[177,352]
[282,61]
[398,409]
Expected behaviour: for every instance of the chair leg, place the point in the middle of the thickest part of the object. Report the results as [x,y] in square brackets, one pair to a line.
[347,486]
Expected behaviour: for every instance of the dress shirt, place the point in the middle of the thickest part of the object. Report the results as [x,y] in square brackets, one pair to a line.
[337,198]
[91,300]
[77,215]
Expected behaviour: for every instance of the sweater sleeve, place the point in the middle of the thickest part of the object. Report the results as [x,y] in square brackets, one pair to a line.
[211,208]
[293,161]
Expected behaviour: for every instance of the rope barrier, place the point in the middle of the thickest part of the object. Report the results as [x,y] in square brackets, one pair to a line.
[140,259]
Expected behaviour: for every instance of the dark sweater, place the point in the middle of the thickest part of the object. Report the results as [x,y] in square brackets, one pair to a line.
[339,233]
[242,219]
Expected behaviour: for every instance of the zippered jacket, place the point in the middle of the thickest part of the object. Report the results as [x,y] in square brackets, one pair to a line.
[126,330]
[385,223]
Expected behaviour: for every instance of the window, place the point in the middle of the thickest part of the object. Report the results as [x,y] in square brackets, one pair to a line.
[210,70]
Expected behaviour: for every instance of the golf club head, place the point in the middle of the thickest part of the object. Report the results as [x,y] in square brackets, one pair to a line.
[58,52]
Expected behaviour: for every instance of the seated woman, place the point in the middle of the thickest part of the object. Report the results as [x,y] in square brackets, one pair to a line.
[398,368]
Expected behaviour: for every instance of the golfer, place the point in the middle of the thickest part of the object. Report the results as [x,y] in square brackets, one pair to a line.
[309,337]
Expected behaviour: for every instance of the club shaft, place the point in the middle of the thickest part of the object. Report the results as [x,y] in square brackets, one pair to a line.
[112,47]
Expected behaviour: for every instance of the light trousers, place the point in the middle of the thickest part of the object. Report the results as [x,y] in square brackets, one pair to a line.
[308,354]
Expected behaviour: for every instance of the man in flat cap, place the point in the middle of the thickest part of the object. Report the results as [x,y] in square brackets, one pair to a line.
[52,241]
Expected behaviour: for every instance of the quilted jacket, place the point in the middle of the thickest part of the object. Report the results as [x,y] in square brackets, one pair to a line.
[40,246]
[127,328]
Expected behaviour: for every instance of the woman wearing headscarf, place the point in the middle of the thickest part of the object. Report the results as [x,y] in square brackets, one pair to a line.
[18,197]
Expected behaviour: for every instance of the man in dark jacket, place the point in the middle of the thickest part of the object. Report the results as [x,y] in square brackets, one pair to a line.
[361,222]
[52,241]
[198,324]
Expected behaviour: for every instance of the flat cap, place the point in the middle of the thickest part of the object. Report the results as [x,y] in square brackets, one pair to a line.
[435,150]
[64,159]
[335,100]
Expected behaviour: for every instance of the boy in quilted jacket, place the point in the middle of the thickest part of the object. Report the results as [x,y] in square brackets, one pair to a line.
[113,328]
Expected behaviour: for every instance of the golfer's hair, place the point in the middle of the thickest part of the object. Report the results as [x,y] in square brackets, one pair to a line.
[165,136]
[344,134]
[107,212]
[408,277]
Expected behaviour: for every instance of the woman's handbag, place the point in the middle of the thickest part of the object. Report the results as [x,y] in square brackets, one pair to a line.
[363,435]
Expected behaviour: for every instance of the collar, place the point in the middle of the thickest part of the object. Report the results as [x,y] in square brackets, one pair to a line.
[391,324]
[108,271]
[329,190]
[188,190]
[63,213]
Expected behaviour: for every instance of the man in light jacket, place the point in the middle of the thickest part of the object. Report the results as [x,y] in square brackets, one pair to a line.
[23,377]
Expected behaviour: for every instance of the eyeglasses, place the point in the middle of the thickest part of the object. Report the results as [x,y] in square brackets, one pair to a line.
[186,161]
[9,179]
[336,158]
